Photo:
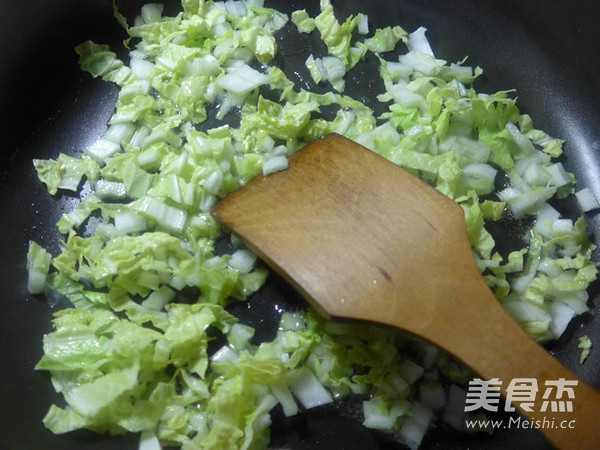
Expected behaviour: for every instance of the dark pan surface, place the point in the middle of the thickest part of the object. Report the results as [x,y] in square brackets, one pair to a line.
[548,51]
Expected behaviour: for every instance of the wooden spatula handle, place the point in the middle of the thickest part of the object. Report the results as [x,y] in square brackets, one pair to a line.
[560,405]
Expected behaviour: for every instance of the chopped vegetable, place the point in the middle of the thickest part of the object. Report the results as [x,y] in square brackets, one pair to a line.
[585,344]
[38,265]
[587,200]
[149,292]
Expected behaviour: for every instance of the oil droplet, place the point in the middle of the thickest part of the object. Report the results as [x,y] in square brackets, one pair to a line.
[374,281]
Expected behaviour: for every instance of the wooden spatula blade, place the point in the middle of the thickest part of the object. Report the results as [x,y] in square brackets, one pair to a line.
[351,231]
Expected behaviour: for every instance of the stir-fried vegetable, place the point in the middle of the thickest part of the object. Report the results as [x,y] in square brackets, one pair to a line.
[149,291]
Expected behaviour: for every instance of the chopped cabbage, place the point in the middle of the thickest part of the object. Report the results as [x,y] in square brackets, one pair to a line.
[585,344]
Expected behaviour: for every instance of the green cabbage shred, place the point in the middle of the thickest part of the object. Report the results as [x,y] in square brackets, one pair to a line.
[585,345]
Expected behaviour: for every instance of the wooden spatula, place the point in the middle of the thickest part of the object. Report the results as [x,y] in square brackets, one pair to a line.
[363,239]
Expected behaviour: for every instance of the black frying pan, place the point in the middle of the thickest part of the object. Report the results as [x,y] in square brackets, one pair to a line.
[548,51]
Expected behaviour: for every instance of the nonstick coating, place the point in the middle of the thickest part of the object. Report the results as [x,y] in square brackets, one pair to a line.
[548,51]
